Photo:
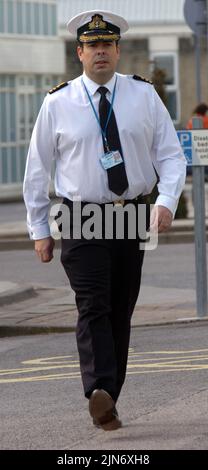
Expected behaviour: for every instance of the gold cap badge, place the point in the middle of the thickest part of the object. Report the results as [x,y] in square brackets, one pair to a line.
[97,23]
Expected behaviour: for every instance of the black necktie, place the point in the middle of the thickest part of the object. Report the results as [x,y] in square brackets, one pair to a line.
[117,179]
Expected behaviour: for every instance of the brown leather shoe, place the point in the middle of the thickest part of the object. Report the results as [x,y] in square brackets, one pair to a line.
[103,411]
[96,422]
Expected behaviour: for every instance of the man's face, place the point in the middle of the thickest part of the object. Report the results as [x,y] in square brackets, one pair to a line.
[99,60]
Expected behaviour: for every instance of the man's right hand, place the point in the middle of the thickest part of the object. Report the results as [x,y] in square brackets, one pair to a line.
[44,249]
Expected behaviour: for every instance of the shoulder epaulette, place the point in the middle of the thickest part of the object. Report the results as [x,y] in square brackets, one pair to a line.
[58,87]
[142,79]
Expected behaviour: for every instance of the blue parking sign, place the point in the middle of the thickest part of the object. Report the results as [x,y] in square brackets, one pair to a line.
[188,155]
[185,138]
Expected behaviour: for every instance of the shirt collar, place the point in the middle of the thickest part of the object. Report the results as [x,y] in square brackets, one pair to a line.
[93,87]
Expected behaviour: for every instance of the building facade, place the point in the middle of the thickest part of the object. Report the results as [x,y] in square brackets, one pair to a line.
[37,52]
[158,37]
[32,60]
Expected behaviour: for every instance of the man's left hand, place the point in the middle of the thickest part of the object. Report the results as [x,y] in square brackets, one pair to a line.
[161,219]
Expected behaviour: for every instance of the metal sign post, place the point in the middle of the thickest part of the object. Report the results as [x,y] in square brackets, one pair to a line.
[200,233]
[195,146]
[195,12]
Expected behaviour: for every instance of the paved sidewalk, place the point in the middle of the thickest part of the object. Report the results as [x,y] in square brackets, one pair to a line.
[37,309]
[14,235]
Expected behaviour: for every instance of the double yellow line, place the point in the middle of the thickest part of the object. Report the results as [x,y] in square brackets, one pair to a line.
[146,362]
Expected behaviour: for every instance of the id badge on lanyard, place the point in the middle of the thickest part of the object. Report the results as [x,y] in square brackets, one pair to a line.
[110,158]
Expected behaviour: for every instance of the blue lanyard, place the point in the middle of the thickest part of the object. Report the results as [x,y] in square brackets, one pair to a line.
[96,114]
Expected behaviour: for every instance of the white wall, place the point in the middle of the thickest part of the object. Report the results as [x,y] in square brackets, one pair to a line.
[161,44]
[32,55]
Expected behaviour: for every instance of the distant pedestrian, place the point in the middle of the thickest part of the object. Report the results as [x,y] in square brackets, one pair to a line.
[200,111]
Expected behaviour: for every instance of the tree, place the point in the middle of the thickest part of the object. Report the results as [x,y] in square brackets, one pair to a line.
[158,79]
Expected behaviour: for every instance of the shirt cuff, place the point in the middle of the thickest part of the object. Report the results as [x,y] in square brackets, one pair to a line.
[39,232]
[168,202]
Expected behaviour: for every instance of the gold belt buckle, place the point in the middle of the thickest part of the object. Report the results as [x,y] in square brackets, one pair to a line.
[119,202]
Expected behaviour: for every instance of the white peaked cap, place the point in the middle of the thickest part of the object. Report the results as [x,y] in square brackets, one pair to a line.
[97,22]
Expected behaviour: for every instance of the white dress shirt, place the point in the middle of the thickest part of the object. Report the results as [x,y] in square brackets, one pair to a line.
[67,130]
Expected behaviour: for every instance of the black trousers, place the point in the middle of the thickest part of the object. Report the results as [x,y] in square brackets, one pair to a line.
[106,276]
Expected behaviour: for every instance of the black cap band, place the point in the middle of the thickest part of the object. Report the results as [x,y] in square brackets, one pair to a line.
[110,28]
[97,29]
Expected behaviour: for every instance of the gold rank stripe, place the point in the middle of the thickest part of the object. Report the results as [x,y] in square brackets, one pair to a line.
[58,87]
[142,79]
[105,37]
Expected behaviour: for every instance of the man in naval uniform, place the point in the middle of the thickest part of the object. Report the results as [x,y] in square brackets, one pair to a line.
[110,135]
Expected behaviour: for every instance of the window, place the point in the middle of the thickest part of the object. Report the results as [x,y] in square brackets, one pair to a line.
[20,100]
[53,20]
[28,17]
[19,17]
[169,64]
[45,20]
[10,16]
[1,16]
[36,18]
[7,109]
